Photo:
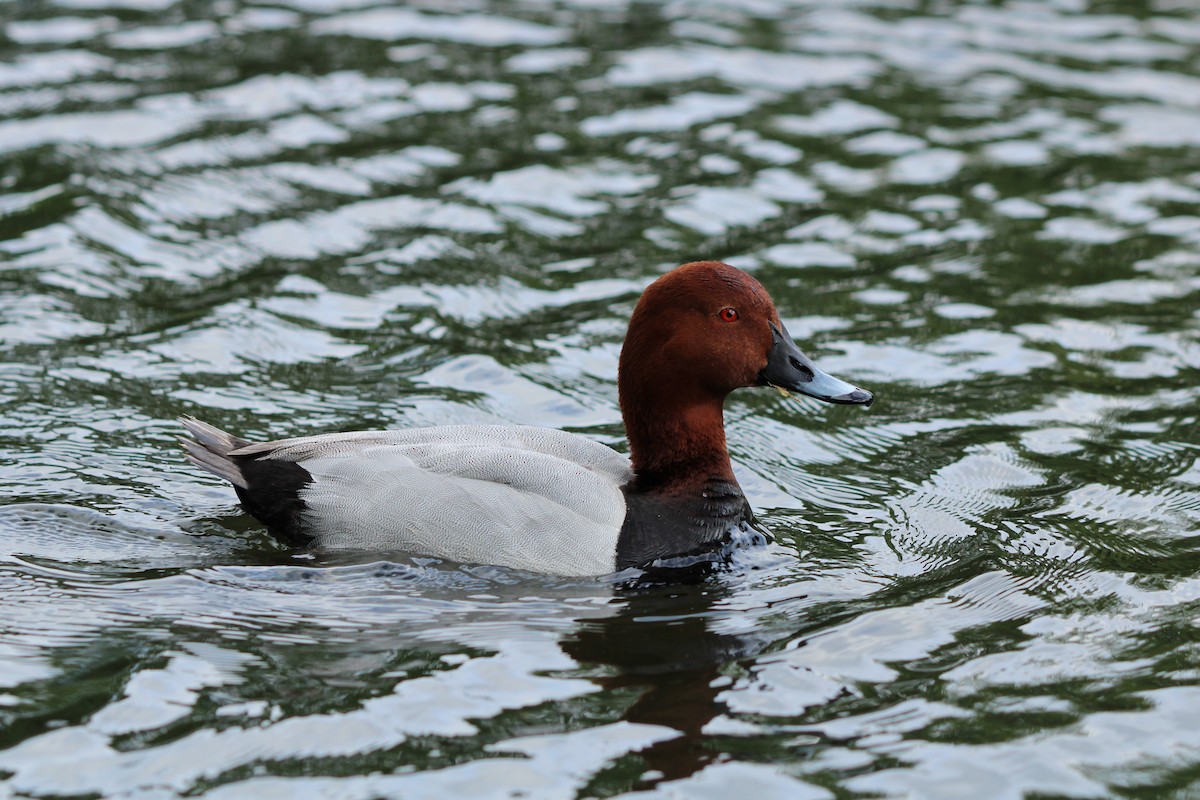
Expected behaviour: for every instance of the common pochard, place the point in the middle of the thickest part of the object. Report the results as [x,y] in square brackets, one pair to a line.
[541,499]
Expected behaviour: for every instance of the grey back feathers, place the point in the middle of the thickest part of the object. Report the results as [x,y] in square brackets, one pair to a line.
[531,498]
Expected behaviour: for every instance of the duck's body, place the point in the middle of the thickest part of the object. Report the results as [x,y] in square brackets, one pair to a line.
[537,498]
[516,496]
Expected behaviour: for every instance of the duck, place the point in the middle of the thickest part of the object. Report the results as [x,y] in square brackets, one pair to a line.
[540,499]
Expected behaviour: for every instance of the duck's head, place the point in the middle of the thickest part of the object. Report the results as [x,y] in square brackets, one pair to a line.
[707,328]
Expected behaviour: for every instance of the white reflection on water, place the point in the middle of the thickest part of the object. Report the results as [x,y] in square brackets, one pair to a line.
[679,114]
[570,192]
[350,227]
[157,38]
[1065,762]
[554,766]
[80,760]
[58,30]
[404,23]
[746,68]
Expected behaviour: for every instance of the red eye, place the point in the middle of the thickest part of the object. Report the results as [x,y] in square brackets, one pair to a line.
[729,314]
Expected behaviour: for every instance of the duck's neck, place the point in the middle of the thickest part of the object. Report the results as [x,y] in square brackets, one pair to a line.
[683,500]
[676,441]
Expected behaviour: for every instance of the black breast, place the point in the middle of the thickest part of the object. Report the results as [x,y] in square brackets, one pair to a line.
[662,525]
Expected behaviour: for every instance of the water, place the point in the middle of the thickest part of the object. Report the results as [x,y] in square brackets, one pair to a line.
[324,215]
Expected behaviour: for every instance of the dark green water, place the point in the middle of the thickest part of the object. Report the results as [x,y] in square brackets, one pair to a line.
[327,215]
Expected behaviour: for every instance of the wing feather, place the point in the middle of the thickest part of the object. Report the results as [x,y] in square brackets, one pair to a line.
[549,441]
[471,503]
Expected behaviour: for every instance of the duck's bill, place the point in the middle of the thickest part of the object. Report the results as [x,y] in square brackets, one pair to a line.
[789,370]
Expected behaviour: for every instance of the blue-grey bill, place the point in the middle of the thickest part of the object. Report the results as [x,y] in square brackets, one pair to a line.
[790,370]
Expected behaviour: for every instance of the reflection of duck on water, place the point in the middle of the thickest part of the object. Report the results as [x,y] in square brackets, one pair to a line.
[662,645]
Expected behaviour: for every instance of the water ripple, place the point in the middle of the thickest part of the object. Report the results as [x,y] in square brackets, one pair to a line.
[324,215]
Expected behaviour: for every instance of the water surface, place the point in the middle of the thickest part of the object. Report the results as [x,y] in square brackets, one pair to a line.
[322,215]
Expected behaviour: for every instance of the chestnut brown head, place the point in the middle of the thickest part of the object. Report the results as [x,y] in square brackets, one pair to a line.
[707,328]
